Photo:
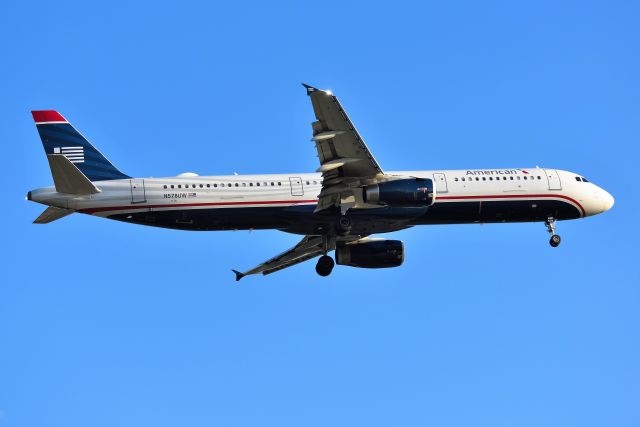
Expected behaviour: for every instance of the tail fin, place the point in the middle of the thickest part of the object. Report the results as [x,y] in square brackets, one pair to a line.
[59,137]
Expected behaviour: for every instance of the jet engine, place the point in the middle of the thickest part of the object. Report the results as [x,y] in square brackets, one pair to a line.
[371,254]
[402,192]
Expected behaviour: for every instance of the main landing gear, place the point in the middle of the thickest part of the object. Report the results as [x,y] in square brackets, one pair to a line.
[325,262]
[555,240]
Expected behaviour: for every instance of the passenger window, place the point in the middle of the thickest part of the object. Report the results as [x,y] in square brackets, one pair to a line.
[511,178]
[244,184]
[455,179]
[525,178]
[539,177]
[257,184]
[201,185]
[171,185]
[236,184]
[477,179]
[490,178]
[165,186]
[251,184]
[484,178]
[279,183]
[463,179]
[308,182]
[273,183]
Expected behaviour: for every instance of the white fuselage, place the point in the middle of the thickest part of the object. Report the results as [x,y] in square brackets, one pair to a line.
[460,196]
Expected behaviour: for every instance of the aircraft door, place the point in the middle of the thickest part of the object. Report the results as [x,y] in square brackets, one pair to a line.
[137,191]
[296,186]
[441,183]
[554,179]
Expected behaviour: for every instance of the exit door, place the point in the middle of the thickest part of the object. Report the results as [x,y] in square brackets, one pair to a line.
[554,179]
[137,191]
[441,183]
[296,186]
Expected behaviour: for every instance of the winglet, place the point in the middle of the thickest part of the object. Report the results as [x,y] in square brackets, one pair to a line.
[238,275]
[310,89]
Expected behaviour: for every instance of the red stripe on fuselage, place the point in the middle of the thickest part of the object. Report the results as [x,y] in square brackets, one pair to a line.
[189,205]
[514,196]
[294,202]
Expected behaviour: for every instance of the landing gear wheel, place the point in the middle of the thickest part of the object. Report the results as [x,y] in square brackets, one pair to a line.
[551,229]
[325,265]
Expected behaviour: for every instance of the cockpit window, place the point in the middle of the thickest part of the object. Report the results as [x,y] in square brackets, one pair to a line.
[578,179]
[585,180]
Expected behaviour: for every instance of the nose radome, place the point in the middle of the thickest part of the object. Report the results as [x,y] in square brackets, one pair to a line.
[607,201]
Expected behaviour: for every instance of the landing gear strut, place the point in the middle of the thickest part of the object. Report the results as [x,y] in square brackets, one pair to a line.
[325,262]
[344,225]
[555,240]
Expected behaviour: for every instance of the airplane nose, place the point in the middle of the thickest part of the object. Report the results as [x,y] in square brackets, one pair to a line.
[607,201]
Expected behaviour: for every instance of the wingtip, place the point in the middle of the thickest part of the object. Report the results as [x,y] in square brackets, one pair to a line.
[238,275]
[310,89]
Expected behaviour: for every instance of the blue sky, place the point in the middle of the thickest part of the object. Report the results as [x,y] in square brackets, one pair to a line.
[104,323]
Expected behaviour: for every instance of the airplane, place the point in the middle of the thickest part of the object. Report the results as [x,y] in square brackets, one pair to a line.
[337,208]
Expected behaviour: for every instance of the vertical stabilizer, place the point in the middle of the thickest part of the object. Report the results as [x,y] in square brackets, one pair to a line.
[60,138]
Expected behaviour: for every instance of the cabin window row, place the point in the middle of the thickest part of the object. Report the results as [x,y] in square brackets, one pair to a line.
[222,185]
[504,178]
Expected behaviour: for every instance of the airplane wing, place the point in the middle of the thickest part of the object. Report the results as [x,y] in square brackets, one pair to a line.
[345,160]
[309,247]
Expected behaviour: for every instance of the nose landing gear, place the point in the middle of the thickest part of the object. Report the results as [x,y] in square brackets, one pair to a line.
[555,240]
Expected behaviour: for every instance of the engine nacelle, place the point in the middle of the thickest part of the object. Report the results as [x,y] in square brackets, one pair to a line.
[402,192]
[371,254]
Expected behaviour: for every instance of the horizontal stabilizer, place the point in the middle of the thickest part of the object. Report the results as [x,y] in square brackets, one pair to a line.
[51,214]
[67,177]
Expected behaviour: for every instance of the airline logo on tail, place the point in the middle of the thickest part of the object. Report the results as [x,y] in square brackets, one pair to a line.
[74,154]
